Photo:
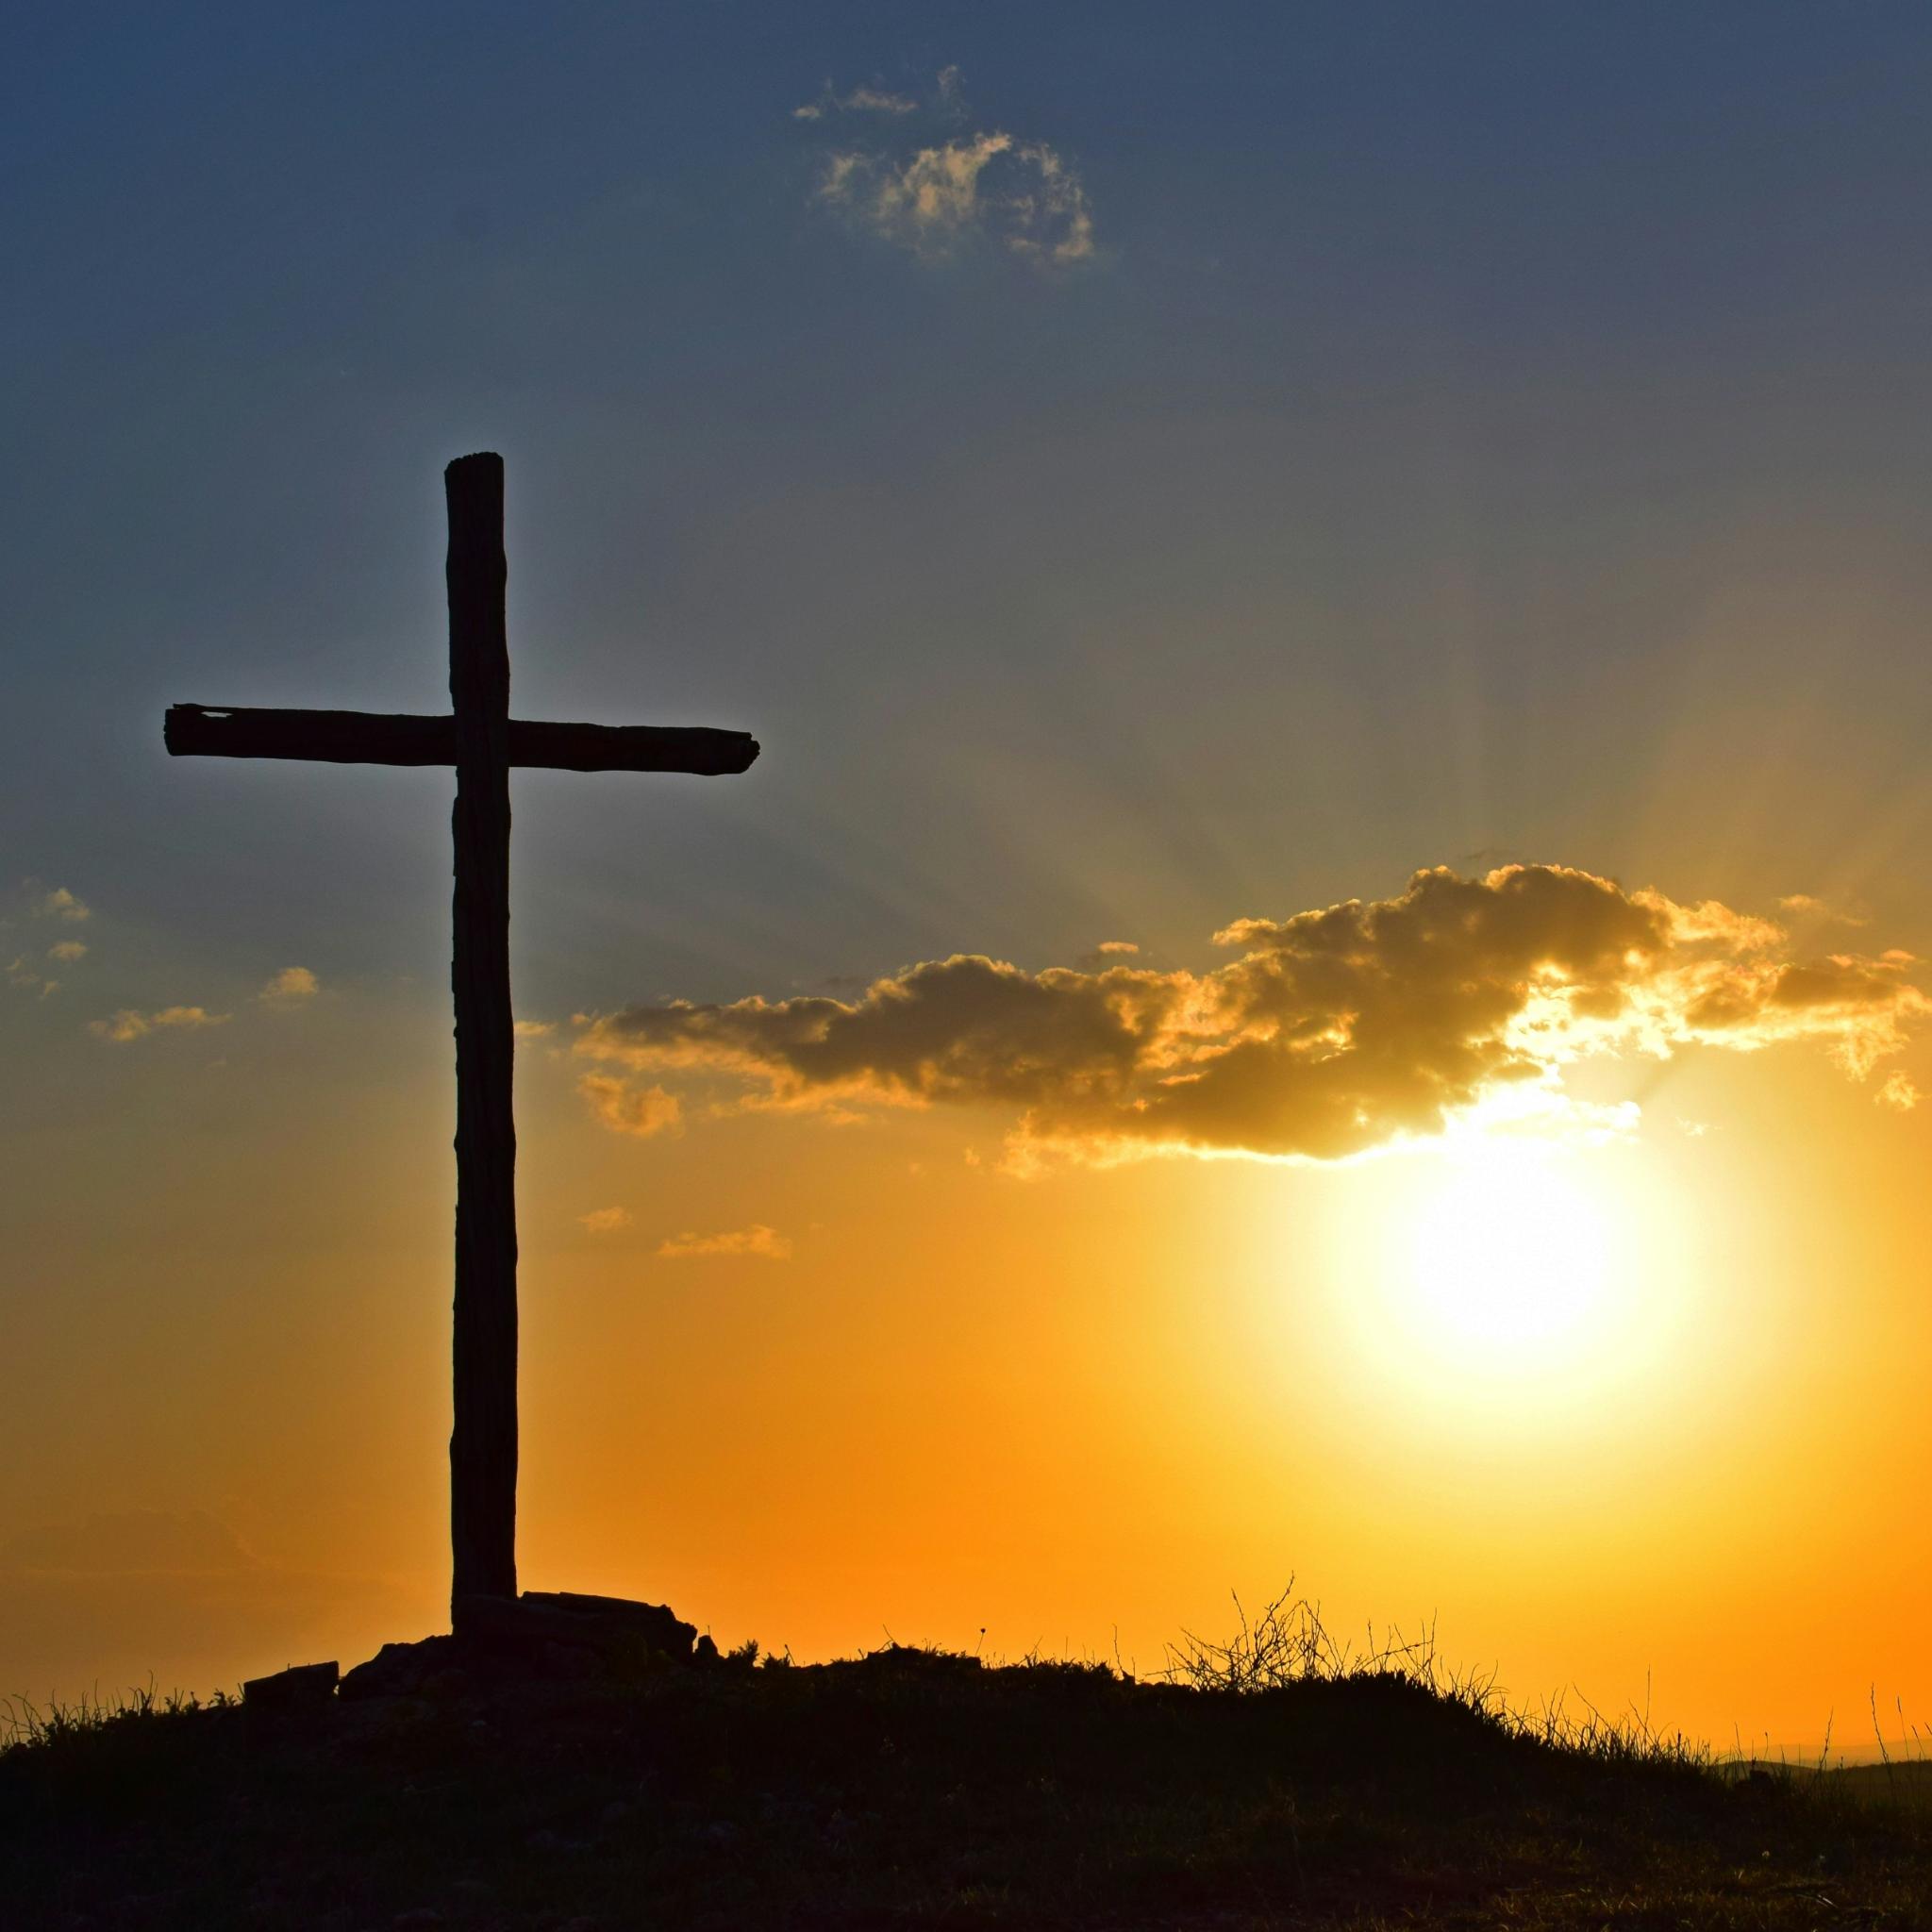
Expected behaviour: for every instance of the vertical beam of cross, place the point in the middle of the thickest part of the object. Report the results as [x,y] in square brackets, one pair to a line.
[483,1439]
[482,741]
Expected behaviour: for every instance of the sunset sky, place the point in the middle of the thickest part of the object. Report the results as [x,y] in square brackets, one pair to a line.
[1320,970]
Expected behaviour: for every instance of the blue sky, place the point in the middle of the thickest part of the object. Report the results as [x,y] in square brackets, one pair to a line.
[1433,371]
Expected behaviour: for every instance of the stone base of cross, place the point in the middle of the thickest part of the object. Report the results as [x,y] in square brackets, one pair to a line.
[480,738]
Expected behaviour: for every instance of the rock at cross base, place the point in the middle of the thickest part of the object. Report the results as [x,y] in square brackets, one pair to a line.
[542,1634]
[654,1623]
[301,1687]
[403,1670]
[612,1627]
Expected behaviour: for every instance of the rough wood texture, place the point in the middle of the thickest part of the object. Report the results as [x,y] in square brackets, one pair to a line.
[483,1440]
[697,749]
[379,738]
[336,737]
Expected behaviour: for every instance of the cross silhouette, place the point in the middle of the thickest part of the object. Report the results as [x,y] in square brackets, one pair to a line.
[482,741]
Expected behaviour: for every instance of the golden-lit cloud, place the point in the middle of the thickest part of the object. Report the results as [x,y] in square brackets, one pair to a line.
[605,1220]
[1810,907]
[290,988]
[627,1110]
[24,971]
[757,1240]
[129,1024]
[534,1029]
[1332,1032]
[62,904]
[930,193]
[29,979]
[1898,1091]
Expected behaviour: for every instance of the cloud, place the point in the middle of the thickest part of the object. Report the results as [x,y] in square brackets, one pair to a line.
[1107,954]
[862,100]
[62,904]
[1330,1033]
[1808,906]
[1898,1091]
[128,1025]
[932,195]
[628,1111]
[764,1243]
[30,978]
[605,1220]
[534,1029]
[37,902]
[1021,193]
[288,988]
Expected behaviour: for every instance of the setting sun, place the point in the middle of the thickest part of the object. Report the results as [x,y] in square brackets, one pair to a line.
[1504,1285]
[1510,1256]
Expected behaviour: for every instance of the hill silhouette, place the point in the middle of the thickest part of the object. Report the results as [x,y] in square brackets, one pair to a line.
[917,1787]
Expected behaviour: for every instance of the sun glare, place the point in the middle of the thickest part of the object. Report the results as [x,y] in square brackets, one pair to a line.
[1509,1256]
[1505,1280]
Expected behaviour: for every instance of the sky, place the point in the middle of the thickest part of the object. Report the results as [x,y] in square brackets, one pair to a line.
[1320,973]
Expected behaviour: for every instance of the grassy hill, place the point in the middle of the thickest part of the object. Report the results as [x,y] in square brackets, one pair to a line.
[917,1788]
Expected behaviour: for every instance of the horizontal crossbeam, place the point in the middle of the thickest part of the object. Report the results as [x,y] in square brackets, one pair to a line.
[378,737]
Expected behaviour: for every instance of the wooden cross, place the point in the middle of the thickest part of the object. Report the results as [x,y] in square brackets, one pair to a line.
[482,741]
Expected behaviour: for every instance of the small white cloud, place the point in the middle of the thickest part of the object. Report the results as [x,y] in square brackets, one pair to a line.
[931,196]
[129,1024]
[62,904]
[1019,192]
[68,951]
[1899,1093]
[862,100]
[1808,906]
[290,988]
[757,1240]
[29,980]
[605,1220]
[625,1109]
